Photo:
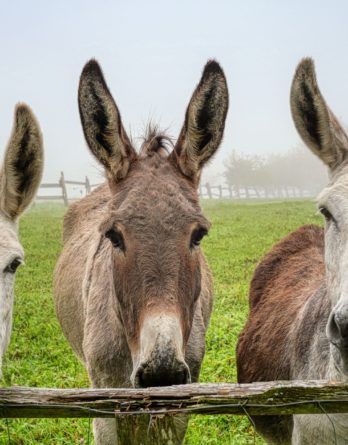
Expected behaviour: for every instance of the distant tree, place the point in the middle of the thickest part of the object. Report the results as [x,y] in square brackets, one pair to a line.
[296,169]
[242,171]
[306,170]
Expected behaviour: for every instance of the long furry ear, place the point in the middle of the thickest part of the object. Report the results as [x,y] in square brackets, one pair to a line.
[101,123]
[204,123]
[315,122]
[21,172]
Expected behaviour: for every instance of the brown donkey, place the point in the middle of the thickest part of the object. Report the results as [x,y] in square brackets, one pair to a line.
[298,321]
[132,287]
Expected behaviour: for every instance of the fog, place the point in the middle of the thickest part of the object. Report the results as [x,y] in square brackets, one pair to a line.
[152,54]
[295,173]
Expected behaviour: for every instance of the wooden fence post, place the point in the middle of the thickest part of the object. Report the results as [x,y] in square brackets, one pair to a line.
[200,191]
[207,185]
[88,186]
[64,190]
[236,187]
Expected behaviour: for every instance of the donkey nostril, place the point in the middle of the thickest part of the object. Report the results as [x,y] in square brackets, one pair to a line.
[338,327]
[139,378]
[186,375]
[183,375]
[342,325]
[334,326]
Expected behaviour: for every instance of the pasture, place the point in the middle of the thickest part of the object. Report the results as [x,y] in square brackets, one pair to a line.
[40,356]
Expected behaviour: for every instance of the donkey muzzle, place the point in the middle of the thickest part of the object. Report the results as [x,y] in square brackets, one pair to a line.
[161,360]
[337,333]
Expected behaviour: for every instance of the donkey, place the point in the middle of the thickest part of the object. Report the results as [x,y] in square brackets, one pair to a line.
[298,320]
[20,177]
[133,290]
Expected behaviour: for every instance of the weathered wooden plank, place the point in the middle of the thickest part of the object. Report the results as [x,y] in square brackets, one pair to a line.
[50,185]
[50,198]
[75,182]
[296,397]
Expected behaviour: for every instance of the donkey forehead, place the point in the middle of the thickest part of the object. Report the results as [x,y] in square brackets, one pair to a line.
[336,192]
[155,194]
[159,212]
[9,244]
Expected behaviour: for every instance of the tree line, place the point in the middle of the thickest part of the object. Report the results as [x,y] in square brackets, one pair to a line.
[294,173]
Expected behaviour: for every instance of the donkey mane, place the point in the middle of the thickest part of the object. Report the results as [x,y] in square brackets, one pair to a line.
[155,141]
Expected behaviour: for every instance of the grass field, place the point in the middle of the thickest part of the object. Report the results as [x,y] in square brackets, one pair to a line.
[40,356]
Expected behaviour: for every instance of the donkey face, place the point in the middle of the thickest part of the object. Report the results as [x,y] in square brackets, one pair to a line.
[323,134]
[154,223]
[154,233]
[19,179]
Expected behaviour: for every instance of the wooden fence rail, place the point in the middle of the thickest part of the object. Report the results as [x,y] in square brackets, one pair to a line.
[227,191]
[205,190]
[62,189]
[270,398]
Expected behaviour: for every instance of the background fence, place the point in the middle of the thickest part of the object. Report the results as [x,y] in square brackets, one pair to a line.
[227,191]
[67,190]
[62,189]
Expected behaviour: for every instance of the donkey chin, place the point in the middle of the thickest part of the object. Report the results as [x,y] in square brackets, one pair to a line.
[337,333]
[160,359]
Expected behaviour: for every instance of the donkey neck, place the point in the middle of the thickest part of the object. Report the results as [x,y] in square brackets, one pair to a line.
[105,340]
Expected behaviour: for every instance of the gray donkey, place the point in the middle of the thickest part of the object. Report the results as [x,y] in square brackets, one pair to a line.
[298,321]
[132,287]
[20,176]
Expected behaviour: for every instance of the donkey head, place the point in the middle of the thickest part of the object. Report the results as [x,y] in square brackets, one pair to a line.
[154,222]
[320,130]
[20,177]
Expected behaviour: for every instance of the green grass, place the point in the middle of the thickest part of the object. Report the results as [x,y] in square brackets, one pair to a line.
[40,356]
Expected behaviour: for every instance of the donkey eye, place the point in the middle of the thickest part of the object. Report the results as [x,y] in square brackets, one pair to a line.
[13,266]
[116,239]
[197,236]
[326,213]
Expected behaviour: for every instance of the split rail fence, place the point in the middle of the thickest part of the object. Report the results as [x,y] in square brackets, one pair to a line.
[270,398]
[228,191]
[62,191]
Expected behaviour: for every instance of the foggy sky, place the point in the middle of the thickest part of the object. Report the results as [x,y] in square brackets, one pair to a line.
[152,54]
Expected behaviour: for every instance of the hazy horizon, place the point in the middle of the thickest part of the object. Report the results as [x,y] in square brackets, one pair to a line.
[152,56]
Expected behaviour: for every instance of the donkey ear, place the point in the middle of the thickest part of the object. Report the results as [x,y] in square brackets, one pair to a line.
[23,164]
[101,123]
[204,123]
[315,122]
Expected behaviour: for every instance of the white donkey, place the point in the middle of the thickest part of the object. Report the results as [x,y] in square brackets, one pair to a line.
[20,177]
[298,322]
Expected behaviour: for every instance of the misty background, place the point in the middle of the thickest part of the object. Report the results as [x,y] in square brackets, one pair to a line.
[152,54]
